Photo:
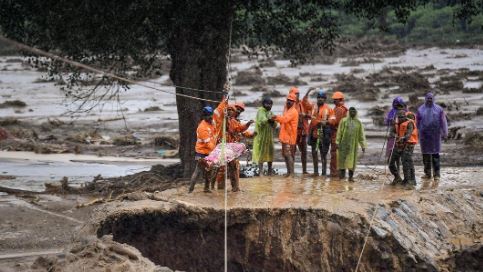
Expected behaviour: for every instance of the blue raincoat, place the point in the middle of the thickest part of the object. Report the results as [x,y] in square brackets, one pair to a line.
[432,126]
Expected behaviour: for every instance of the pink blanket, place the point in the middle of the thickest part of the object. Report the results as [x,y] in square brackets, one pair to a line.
[232,151]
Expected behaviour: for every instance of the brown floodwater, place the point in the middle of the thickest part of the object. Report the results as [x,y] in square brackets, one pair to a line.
[309,192]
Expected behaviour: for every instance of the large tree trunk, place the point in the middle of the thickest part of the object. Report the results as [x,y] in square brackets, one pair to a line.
[199,59]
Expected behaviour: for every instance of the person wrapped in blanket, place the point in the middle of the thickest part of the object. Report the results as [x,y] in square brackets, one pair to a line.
[235,130]
[207,135]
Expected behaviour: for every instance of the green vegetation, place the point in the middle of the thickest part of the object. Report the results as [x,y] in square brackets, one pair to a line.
[430,24]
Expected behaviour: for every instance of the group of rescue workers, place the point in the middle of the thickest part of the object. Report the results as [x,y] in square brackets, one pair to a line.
[337,129]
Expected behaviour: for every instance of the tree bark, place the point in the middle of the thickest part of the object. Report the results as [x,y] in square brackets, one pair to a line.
[199,60]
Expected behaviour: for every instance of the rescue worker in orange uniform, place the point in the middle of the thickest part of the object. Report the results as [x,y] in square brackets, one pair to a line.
[320,132]
[340,111]
[205,143]
[235,130]
[207,134]
[288,133]
[407,137]
[304,109]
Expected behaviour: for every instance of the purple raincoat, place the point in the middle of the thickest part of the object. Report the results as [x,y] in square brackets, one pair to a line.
[389,121]
[432,126]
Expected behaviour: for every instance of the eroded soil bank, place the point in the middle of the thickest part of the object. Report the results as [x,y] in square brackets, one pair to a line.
[286,230]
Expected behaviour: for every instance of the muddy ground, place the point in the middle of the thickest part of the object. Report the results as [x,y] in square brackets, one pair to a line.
[144,126]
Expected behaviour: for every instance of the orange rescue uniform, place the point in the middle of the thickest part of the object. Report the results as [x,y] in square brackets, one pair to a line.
[288,126]
[402,128]
[205,138]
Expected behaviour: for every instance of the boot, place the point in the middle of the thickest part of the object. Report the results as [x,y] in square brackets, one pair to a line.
[270,170]
[397,179]
[315,162]
[304,164]
[427,166]
[324,166]
[291,166]
[351,175]
[207,186]
[342,174]
[436,166]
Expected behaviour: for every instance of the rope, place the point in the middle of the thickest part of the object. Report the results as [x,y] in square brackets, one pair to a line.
[40,52]
[223,153]
[382,186]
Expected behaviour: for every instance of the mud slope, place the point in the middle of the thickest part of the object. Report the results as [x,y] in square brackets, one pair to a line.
[425,231]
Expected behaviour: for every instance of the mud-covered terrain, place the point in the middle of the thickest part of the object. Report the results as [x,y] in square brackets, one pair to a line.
[303,224]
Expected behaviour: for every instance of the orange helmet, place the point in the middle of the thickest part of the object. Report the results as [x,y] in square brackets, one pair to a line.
[240,105]
[338,95]
[292,96]
[294,90]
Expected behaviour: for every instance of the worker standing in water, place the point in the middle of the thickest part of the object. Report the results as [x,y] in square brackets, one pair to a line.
[205,143]
[263,142]
[208,134]
[433,126]
[304,110]
[288,133]
[235,130]
[350,134]
[319,131]
[340,111]
[407,137]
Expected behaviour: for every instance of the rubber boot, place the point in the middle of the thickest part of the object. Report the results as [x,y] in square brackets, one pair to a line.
[324,165]
[436,166]
[342,174]
[220,178]
[304,164]
[315,160]
[351,175]
[287,166]
[427,166]
[291,166]
[270,168]
[397,179]
[207,186]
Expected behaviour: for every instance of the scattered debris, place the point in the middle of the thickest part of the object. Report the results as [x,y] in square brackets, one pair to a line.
[13,104]
[9,121]
[125,140]
[153,108]
[167,142]
[251,76]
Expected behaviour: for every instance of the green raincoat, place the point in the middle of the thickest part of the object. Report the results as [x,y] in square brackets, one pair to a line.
[263,142]
[350,135]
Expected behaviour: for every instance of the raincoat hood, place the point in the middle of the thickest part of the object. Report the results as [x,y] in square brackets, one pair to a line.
[397,101]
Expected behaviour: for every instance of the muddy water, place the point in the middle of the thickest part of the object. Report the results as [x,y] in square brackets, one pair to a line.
[308,192]
[32,170]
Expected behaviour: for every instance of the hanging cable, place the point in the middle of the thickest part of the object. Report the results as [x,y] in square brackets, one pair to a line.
[36,51]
